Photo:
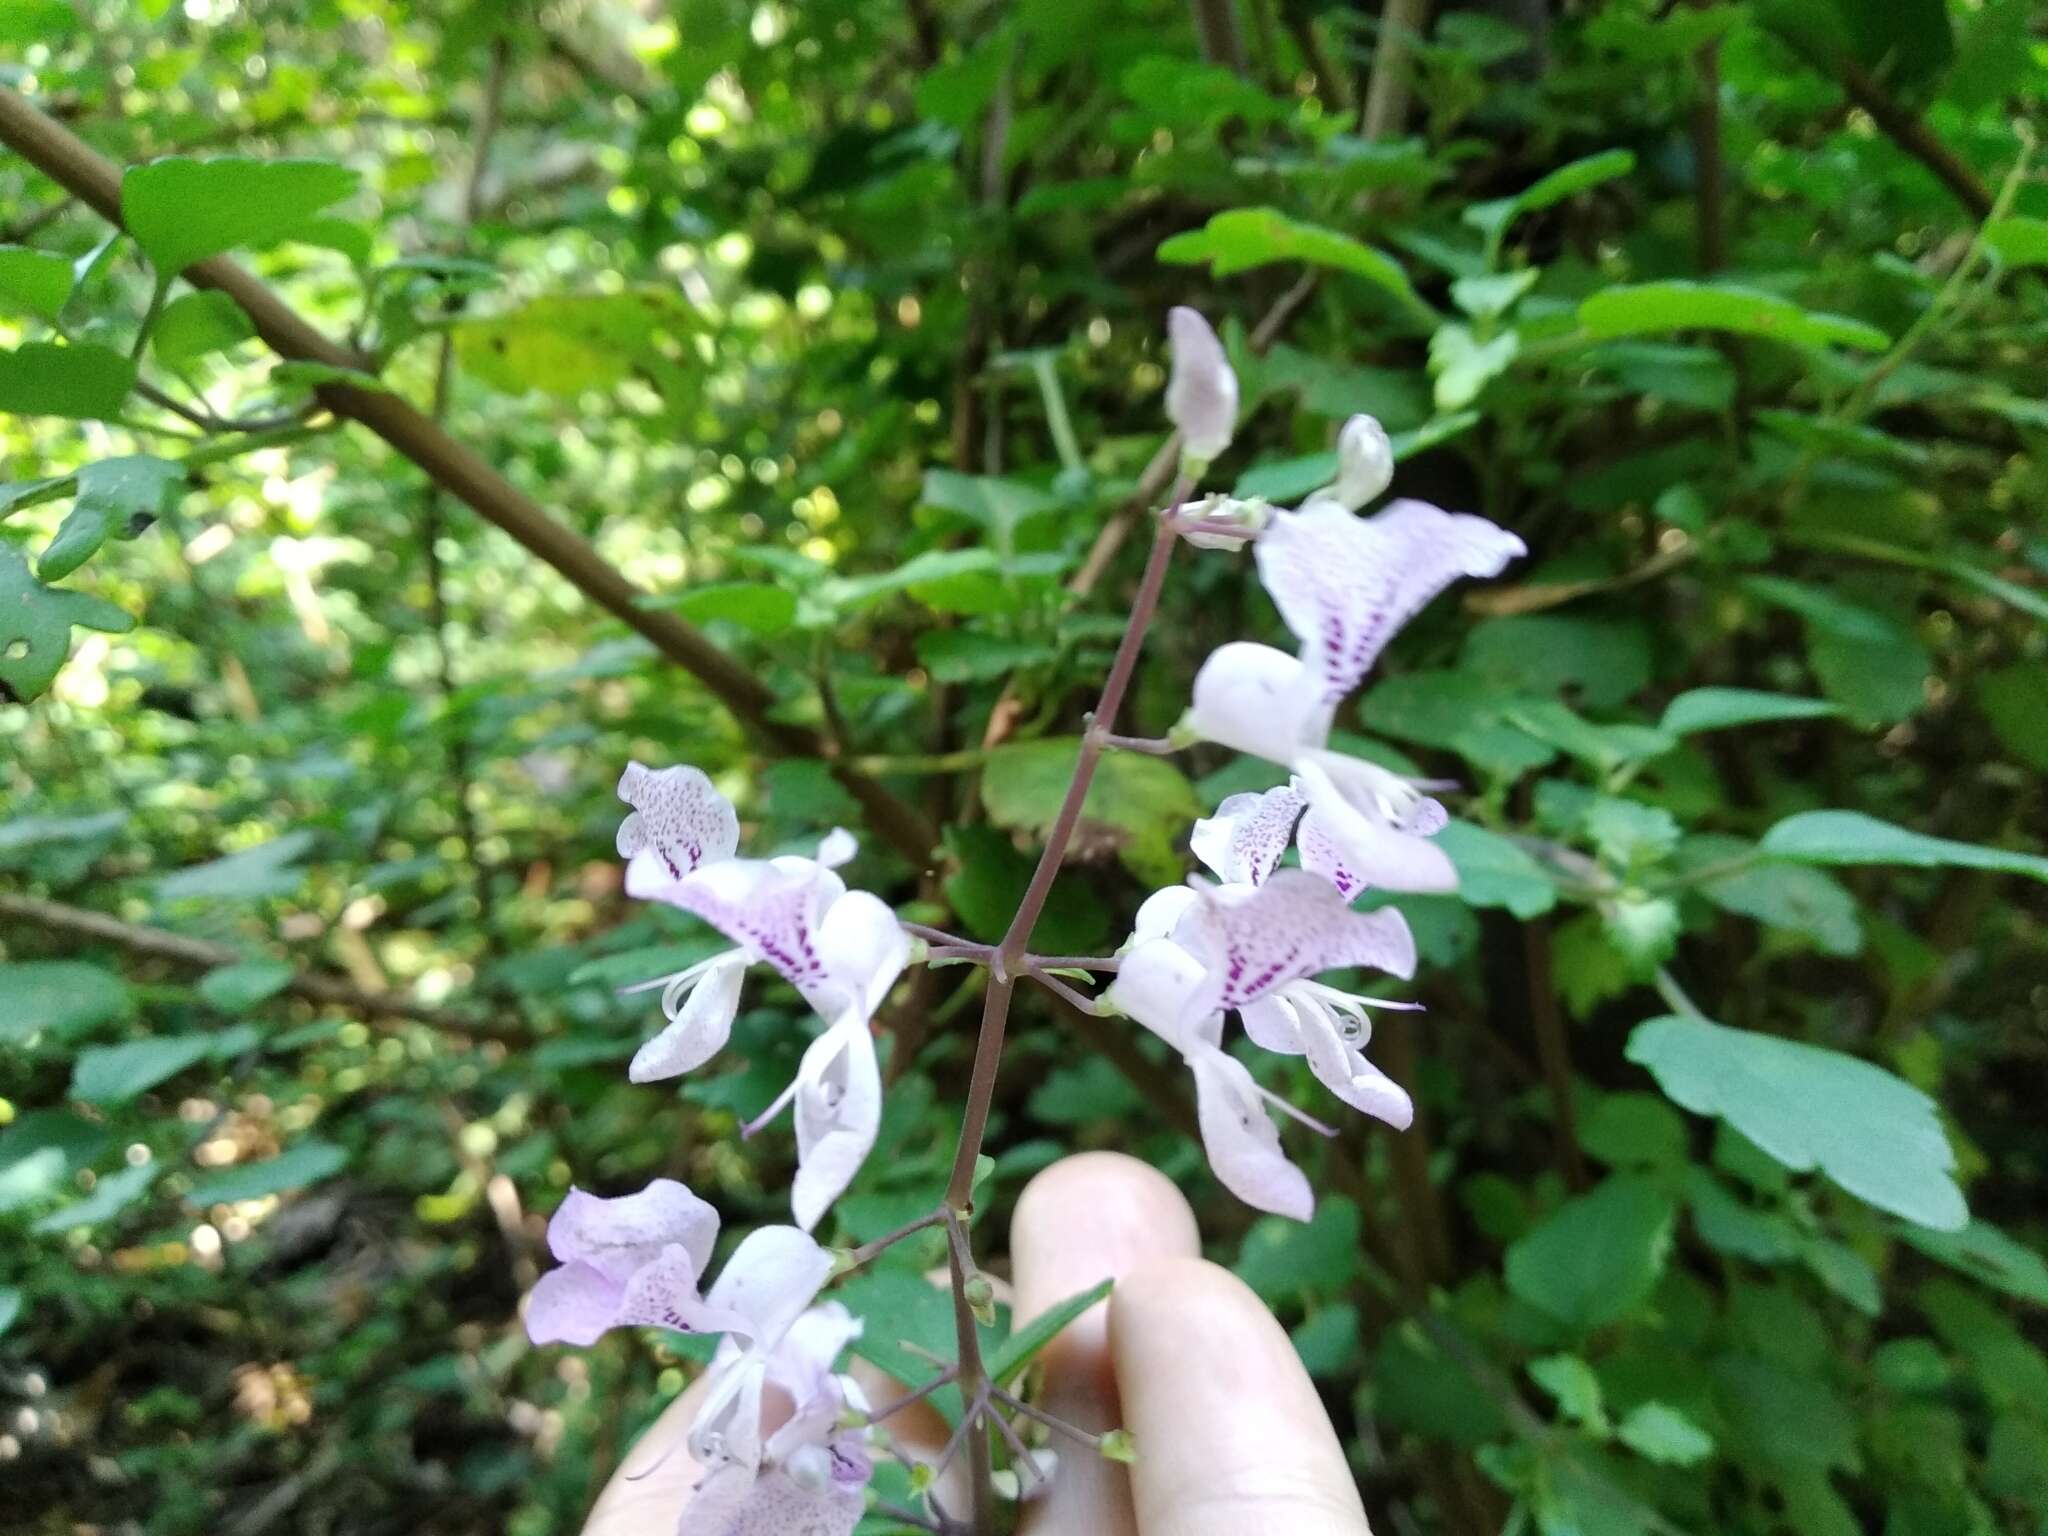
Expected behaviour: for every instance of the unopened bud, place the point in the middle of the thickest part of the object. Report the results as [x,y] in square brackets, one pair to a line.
[980,1295]
[1118,1445]
[1365,462]
[1201,392]
[1220,515]
[921,1476]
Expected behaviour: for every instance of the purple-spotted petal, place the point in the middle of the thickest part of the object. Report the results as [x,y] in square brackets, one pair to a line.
[1241,1140]
[617,1236]
[1242,843]
[771,907]
[1348,838]
[1259,700]
[700,1028]
[663,1294]
[771,1277]
[1201,392]
[679,822]
[734,1502]
[838,1113]
[1345,585]
[1254,940]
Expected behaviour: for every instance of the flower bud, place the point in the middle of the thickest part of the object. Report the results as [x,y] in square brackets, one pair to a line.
[1365,462]
[980,1295]
[1220,512]
[1201,394]
[1118,1445]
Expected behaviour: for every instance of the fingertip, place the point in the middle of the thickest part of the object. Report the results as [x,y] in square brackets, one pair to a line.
[1230,1432]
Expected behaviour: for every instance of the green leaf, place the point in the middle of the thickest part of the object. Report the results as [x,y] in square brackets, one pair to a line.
[37,21]
[1571,1381]
[1462,365]
[113,1194]
[964,656]
[1494,218]
[61,998]
[238,988]
[47,378]
[1022,1347]
[113,495]
[1873,1133]
[196,325]
[1850,837]
[2018,241]
[993,503]
[757,606]
[182,210]
[37,282]
[268,869]
[2015,700]
[1634,1130]
[1983,1252]
[1845,1272]
[1493,872]
[307,1163]
[36,623]
[1795,898]
[566,344]
[1716,709]
[1660,1433]
[1241,239]
[42,1151]
[1137,803]
[114,1074]
[1646,309]
[10,1307]
[1292,1261]
[1597,1257]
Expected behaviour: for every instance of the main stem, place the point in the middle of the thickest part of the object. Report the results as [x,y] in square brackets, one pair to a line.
[1004,966]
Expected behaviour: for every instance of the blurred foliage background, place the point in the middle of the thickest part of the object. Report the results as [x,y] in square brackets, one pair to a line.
[835,329]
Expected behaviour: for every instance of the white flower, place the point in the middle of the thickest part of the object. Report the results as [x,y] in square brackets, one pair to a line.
[1201,392]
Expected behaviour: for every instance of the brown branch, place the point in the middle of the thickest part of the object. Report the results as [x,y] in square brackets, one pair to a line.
[1710,191]
[163,944]
[1391,86]
[459,470]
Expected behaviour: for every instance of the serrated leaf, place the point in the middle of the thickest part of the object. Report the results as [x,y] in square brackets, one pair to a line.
[1850,837]
[112,494]
[1022,1347]
[1571,1382]
[83,382]
[1871,1132]
[181,210]
[1241,239]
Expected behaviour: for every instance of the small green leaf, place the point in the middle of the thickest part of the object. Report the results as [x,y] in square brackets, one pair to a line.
[238,988]
[1240,239]
[1140,803]
[10,1307]
[37,282]
[60,998]
[1646,309]
[2019,241]
[1850,837]
[1566,181]
[1598,1256]
[963,656]
[1873,1133]
[113,496]
[114,1074]
[2015,701]
[113,1194]
[1576,1389]
[1493,872]
[756,606]
[196,325]
[1022,1347]
[1983,1252]
[307,1163]
[1463,365]
[36,623]
[1716,709]
[182,210]
[47,378]
[1660,1433]
[269,869]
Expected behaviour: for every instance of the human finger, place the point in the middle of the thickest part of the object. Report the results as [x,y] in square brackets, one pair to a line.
[1230,1434]
[1089,1218]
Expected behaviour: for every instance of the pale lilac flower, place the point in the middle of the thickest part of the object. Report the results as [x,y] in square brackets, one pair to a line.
[1201,392]
[1199,951]
[842,950]
[810,1475]
[1345,585]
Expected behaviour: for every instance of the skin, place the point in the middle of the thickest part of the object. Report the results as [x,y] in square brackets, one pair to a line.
[1231,1435]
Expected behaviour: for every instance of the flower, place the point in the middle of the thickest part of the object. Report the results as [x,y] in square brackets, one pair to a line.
[1201,393]
[1344,586]
[637,1260]
[842,950]
[1200,950]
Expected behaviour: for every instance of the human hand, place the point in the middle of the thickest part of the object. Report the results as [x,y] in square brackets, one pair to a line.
[1231,1436]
